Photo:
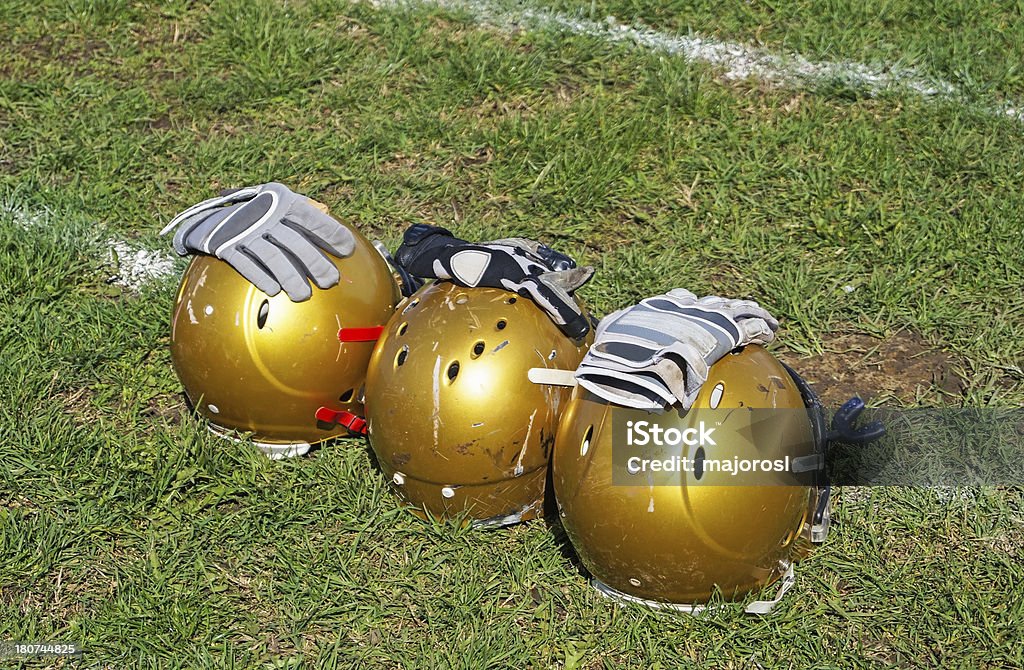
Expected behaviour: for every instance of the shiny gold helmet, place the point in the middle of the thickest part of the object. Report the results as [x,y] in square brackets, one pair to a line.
[288,373]
[452,418]
[675,538]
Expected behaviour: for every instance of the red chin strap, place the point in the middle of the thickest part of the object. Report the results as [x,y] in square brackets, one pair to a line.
[353,422]
[369,334]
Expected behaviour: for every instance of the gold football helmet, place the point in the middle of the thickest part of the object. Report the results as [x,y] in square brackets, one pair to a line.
[455,424]
[289,373]
[675,545]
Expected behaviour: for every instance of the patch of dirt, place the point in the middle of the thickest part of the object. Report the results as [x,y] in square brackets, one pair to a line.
[18,502]
[166,407]
[79,403]
[496,109]
[902,367]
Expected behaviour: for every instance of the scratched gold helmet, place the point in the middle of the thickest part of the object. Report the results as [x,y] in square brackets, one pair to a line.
[675,538]
[453,420]
[287,373]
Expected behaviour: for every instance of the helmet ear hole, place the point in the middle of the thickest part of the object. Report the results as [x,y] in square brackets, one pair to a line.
[698,463]
[453,371]
[261,316]
[403,354]
[478,349]
[501,324]
[347,395]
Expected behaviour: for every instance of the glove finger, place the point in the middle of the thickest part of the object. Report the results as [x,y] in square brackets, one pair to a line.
[540,253]
[196,233]
[556,260]
[557,296]
[313,261]
[756,331]
[759,313]
[562,309]
[715,301]
[232,225]
[682,296]
[738,309]
[568,280]
[252,270]
[283,267]
[322,229]
[529,246]
[186,228]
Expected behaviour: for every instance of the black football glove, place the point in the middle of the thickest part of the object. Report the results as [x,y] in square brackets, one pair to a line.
[522,266]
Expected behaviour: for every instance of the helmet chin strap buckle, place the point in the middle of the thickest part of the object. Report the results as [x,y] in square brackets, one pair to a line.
[822,519]
[353,422]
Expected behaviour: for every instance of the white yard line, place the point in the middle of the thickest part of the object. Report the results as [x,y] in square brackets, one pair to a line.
[137,266]
[734,60]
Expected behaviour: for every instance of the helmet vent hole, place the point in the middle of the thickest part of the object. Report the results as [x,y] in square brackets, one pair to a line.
[347,395]
[453,371]
[698,463]
[501,324]
[585,445]
[478,348]
[402,355]
[261,316]
[461,299]
[716,395]
[404,327]
[511,301]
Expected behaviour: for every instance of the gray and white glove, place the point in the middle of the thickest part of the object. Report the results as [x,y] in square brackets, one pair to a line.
[658,353]
[273,237]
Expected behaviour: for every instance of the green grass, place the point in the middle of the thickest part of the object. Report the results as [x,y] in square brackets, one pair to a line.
[124,525]
[977,45]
